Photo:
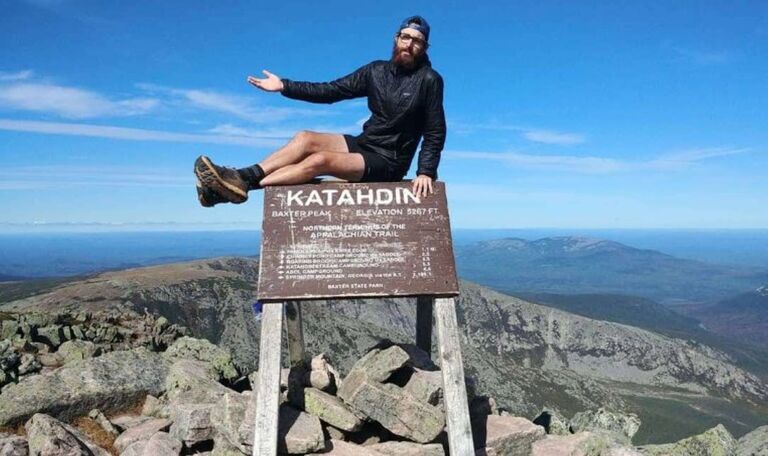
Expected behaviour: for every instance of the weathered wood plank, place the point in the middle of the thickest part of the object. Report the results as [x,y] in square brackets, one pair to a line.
[295,333]
[451,364]
[268,388]
[424,323]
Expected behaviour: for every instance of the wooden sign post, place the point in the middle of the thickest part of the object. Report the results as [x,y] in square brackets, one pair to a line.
[343,240]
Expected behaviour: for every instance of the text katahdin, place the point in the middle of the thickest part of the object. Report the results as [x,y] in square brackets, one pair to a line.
[347,197]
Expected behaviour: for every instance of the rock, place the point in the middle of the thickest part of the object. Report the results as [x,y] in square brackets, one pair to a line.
[125,422]
[13,445]
[49,359]
[202,350]
[29,365]
[222,448]
[51,335]
[408,449]
[49,436]
[9,357]
[193,382]
[507,435]
[553,423]
[620,451]
[341,448]
[619,426]
[191,423]
[9,329]
[394,409]
[77,332]
[379,364]
[754,443]
[227,417]
[321,374]
[331,432]
[581,444]
[110,382]
[160,324]
[141,432]
[102,420]
[715,441]
[330,409]
[75,350]
[298,432]
[154,407]
[426,386]
[160,444]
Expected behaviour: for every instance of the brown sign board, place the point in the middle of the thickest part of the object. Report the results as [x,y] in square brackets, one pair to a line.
[351,240]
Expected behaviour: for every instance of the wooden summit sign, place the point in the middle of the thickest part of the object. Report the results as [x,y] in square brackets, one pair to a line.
[355,240]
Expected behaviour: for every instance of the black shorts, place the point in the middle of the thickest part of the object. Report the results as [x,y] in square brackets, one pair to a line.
[378,168]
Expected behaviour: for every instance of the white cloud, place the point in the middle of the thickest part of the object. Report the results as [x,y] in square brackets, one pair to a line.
[598,165]
[17,76]
[239,106]
[69,102]
[553,137]
[132,134]
[23,177]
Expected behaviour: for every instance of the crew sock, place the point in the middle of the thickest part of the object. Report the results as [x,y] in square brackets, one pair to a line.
[252,175]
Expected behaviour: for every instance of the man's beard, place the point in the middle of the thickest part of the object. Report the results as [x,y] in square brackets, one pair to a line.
[407,60]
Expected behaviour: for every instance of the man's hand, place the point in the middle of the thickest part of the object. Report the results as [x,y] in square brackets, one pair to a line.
[270,84]
[422,184]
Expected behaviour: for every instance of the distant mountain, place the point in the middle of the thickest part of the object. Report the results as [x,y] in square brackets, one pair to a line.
[570,265]
[11,278]
[743,317]
[525,355]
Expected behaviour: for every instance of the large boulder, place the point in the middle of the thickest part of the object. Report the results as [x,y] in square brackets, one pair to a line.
[192,423]
[110,382]
[218,358]
[581,444]
[330,409]
[13,445]
[49,436]
[142,432]
[298,432]
[754,444]
[160,444]
[394,448]
[508,435]
[342,448]
[714,442]
[75,350]
[193,382]
[620,427]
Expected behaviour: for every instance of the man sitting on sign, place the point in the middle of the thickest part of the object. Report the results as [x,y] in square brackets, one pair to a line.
[405,96]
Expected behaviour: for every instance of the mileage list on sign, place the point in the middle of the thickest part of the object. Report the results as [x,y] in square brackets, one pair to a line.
[355,240]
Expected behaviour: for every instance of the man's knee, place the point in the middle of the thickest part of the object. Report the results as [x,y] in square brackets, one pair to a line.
[307,140]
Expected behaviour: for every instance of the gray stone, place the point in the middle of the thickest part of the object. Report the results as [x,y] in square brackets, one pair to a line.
[408,449]
[219,359]
[508,435]
[754,443]
[9,329]
[621,427]
[29,364]
[620,451]
[193,382]
[330,409]
[102,421]
[51,335]
[13,445]
[191,423]
[77,332]
[321,374]
[227,418]
[75,350]
[581,444]
[142,432]
[715,441]
[341,448]
[154,407]
[125,422]
[298,432]
[426,386]
[160,324]
[110,382]
[160,444]
[49,359]
[48,436]
[391,407]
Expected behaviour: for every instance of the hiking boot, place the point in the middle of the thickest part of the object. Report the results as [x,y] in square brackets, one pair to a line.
[207,196]
[219,184]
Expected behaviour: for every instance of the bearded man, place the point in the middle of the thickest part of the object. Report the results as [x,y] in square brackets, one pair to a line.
[405,97]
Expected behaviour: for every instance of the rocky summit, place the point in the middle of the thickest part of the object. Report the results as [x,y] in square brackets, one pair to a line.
[161,360]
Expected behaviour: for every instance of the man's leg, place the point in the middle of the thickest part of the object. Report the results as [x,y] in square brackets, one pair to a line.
[302,145]
[344,165]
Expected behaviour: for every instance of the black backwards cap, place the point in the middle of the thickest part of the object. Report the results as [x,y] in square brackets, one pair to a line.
[416,23]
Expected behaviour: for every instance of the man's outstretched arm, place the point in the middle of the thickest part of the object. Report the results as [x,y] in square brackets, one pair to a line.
[353,85]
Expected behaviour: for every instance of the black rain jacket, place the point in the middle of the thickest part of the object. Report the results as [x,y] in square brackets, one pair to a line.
[405,106]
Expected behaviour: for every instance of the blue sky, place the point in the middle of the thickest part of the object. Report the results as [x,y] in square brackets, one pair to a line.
[560,114]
